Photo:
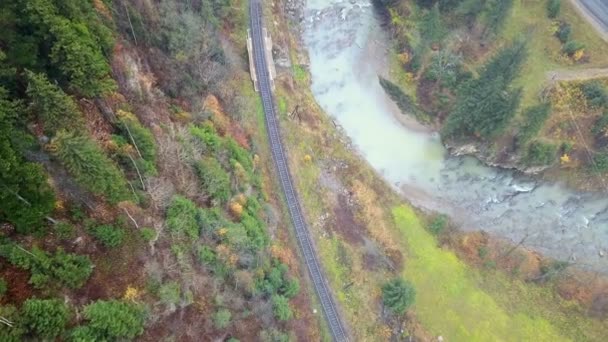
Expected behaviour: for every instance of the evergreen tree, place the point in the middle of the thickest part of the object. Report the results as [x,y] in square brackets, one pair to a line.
[50,104]
[496,13]
[25,197]
[486,105]
[113,320]
[432,28]
[89,166]
[45,318]
[398,295]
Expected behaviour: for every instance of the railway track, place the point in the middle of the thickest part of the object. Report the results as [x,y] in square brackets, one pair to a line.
[278,154]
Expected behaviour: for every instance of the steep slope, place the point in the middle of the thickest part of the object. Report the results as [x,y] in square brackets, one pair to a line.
[136,205]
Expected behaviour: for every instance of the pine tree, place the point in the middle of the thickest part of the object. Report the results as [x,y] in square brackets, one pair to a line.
[89,165]
[25,195]
[398,295]
[50,104]
[486,105]
[496,13]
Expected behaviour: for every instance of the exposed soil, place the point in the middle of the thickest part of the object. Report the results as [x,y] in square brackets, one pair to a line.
[346,224]
[18,288]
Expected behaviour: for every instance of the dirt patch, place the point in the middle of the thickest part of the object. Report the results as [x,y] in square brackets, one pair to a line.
[346,225]
[18,288]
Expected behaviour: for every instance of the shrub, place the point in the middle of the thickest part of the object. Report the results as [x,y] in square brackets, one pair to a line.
[90,167]
[600,161]
[45,318]
[170,293]
[563,32]
[206,135]
[114,320]
[572,46]
[221,318]
[64,230]
[446,68]
[214,178]
[109,235]
[438,224]
[398,295]
[595,93]
[182,217]
[553,8]
[139,136]
[540,153]
[70,269]
[148,234]
[277,281]
[280,307]
[600,130]
[3,287]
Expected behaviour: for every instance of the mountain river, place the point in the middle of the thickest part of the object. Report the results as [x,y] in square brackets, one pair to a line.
[348,50]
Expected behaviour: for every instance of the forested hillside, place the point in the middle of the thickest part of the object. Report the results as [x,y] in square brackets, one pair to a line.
[134,203]
[517,83]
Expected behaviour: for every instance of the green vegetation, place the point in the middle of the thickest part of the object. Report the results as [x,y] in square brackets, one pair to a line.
[486,105]
[109,235]
[26,198]
[182,217]
[54,108]
[3,287]
[214,179]
[438,224]
[221,318]
[46,318]
[110,320]
[600,161]
[595,93]
[398,295]
[553,8]
[405,103]
[280,307]
[534,118]
[540,153]
[445,285]
[89,166]
[70,270]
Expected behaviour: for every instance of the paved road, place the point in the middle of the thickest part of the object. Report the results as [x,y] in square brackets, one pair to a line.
[278,154]
[596,12]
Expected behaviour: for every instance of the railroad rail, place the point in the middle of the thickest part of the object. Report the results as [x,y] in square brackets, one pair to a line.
[278,154]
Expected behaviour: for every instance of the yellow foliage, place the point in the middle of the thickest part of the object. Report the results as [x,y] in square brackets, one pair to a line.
[385,332]
[565,159]
[554,27]
[256,161]
[307,158]
[183,116]
[373,214]
[284,255]
[222,231]
[404,57]
[131,294]
[236,209]
[59,205]
[240,199]
[240,172]
[578,55]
